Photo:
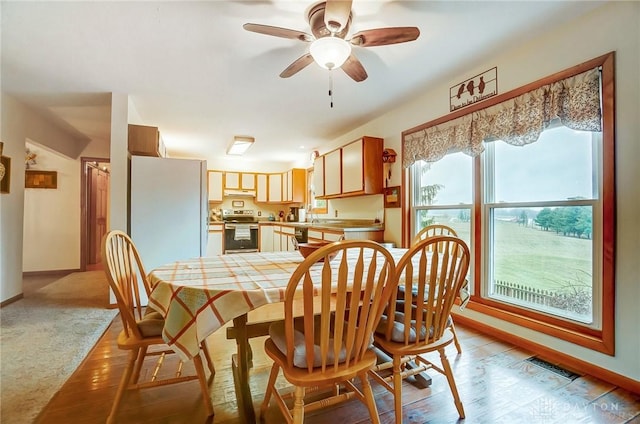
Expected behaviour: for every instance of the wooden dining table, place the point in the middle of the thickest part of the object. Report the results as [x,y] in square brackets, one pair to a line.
[198,296]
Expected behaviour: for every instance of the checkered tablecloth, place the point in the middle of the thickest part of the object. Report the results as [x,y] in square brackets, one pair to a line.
[198,296]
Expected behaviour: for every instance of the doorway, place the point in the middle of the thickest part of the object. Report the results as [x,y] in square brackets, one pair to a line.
[94,210]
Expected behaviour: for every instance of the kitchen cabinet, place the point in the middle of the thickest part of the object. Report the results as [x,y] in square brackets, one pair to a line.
[215,241]
[315,236]
[145,141]
[240,180]
[214,186]
[266,238]
[318,176]
[352,170]
[276,238]
[333,173]
[295,180]
[262,184]
[282,235]
[275,188]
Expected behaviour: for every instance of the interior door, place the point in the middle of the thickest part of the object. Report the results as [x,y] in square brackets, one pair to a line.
[98,198]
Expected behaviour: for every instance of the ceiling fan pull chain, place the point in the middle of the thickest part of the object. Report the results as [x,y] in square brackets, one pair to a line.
[331,87]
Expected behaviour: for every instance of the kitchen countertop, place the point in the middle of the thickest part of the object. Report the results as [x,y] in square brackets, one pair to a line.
[344,225]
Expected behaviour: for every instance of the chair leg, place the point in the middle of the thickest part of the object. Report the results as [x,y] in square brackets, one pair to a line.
[452,383]
[270,388]
[369,398]
[397,387]
[455,337]
[141,353]
[197,361]
[298,405]
[207,356]
[124,382]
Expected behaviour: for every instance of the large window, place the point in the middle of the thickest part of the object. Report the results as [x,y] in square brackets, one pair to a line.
[534,201]
[540,203]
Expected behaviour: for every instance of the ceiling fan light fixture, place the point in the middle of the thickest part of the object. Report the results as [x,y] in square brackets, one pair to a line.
[240,145]
[330,52]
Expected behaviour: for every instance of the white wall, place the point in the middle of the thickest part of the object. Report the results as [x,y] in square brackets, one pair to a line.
[612,27]
[19,124]
[51,239]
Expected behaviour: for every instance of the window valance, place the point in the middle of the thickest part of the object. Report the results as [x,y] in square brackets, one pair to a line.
[574,101]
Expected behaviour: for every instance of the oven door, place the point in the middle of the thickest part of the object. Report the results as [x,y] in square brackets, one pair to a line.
[239,238]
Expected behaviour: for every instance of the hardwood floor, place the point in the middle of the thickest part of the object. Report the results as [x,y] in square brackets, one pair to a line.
[496,383]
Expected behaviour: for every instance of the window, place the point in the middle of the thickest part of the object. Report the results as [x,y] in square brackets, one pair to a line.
[536,205]
[314,206]
[444,197]
[540,203]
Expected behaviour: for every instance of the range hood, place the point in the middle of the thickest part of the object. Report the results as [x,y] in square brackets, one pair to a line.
[239,193]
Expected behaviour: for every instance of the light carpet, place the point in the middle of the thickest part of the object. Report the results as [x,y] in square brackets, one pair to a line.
[43,339]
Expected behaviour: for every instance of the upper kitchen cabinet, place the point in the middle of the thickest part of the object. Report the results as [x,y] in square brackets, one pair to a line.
[318,176]
[239,180]
[333,173]
[145,141]
[296,184]
[275,188]
[215,187]
[262,194]
[282,187]
[352,170]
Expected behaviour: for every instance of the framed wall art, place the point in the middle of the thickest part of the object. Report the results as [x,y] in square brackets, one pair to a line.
[40,179]
[5,170]
[392,197]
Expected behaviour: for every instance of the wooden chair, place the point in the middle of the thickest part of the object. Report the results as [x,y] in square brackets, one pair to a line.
[330,345]
[419,323]
[434,230]
[439,230]
[142,329]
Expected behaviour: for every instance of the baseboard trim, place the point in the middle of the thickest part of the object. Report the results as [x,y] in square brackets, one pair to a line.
[11,300]
[49,272]
[551,355]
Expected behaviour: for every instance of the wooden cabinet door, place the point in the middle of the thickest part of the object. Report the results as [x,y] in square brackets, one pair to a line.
[232,180]
[248,181]
[215,186]
[297,180]
[332,173]
[288,183]
[275,188]
[276,238]
[266,238]
[352,167]
[262,186]
[318,176]
[214,243]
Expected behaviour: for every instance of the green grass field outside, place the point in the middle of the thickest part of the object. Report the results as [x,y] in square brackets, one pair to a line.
[535,258]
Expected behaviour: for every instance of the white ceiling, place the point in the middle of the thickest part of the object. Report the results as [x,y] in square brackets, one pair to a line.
[193,71]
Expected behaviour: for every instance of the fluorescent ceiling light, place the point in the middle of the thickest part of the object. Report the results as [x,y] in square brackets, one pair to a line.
[330,52]
[240,145]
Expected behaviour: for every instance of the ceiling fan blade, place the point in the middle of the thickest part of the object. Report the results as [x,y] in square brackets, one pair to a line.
[336,14]
[299,64]
[278,32]
[354,69]
[384,36]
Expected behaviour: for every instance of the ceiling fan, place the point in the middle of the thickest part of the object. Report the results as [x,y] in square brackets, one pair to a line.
[329,22]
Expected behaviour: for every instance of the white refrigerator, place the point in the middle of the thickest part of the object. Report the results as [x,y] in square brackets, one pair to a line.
[168,209]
